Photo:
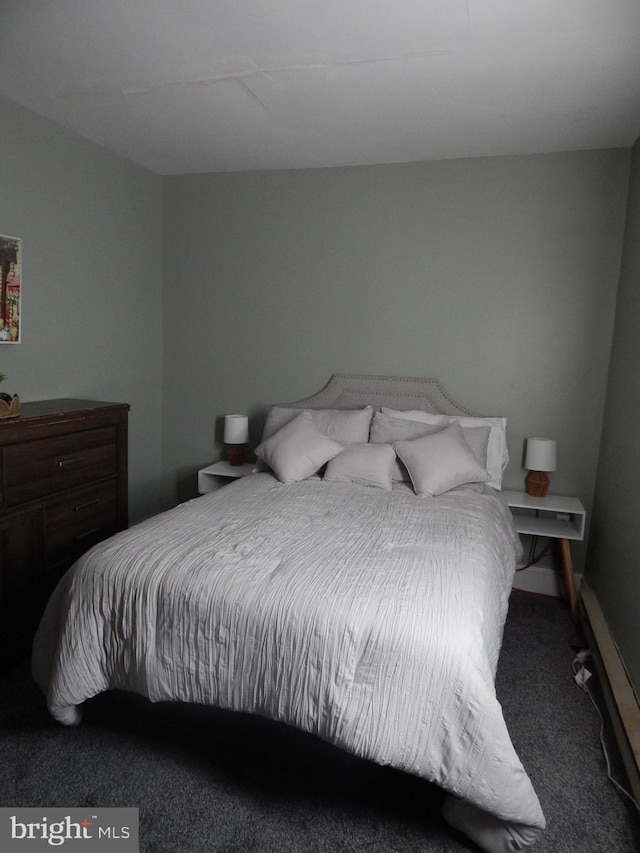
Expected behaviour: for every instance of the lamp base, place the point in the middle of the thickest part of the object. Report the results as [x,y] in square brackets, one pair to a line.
[538,484]
[235,453]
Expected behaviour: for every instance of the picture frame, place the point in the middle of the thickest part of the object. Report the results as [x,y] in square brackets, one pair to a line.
[10,289]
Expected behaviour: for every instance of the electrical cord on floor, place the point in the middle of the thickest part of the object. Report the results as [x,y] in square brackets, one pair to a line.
[581,676]
[533,560]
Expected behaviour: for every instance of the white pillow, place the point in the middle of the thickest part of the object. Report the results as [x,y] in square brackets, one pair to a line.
[440,461]
[348,426]
[385,429]
[364,464]
[297,450]
[497,453]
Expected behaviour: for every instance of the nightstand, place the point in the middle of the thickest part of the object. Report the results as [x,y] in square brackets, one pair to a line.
[555,517]
[213,476]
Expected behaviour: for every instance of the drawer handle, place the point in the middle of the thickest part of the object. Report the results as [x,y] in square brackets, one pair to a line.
[80,507]
[92,532]
[74,461]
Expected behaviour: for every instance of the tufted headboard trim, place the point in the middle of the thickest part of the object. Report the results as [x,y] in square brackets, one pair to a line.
[353,391]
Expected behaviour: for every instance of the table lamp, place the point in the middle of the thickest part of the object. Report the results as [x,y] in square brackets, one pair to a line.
[540,458]
[236,436]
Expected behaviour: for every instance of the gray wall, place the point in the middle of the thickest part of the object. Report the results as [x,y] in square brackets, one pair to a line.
[91,225]
[614,551]
[497,275]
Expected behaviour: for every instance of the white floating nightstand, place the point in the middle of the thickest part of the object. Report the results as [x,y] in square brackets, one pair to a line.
[556,517]
[211,478]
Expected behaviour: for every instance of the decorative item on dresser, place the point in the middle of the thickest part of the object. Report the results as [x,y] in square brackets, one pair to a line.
[9,408]
[63,488]
[9,405]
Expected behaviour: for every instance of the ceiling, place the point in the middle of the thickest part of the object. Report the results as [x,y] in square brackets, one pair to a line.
[184,86]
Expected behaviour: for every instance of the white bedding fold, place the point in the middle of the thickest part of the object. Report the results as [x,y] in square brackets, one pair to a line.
[371,618]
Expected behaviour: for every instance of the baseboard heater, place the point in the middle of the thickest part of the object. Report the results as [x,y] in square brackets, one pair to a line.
[619,695]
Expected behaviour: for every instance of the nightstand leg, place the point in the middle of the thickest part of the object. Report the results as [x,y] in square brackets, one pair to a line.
[569,578]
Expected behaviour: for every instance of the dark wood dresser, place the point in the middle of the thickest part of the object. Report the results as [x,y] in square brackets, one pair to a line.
[63,488]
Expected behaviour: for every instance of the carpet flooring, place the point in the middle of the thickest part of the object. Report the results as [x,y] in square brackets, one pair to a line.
[207,781]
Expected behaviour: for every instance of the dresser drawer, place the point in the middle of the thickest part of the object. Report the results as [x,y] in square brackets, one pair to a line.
[63,488]
[76,521]
[35,469]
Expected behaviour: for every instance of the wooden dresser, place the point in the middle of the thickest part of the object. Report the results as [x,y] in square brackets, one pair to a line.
[63,488]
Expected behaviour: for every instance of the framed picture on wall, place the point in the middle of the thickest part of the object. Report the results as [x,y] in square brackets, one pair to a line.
[10,288]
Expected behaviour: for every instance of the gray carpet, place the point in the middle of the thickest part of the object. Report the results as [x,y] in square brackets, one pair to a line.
[210,781]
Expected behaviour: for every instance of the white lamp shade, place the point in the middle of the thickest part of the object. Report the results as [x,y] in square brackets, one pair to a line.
[541,454]
[236,429]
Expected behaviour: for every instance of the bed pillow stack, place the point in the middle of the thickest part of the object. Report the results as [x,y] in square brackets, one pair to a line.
[435,453]
[297,450]
[363,464]
[297,443]
[497,453]
[348,426]
[389,430]
[440,461]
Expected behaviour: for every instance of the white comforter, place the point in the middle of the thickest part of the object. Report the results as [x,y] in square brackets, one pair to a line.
[371,618]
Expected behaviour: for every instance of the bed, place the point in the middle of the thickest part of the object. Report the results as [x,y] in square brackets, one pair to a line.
[355,586]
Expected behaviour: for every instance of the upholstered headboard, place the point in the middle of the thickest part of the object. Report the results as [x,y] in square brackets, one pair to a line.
[353,391]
